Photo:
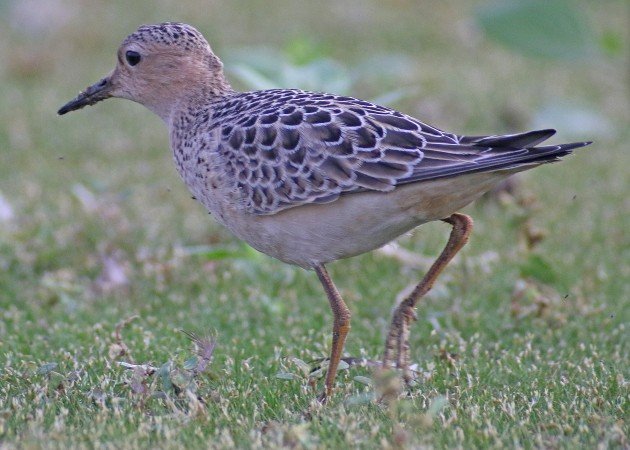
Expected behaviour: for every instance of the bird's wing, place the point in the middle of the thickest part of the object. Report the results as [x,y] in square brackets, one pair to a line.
[285,148]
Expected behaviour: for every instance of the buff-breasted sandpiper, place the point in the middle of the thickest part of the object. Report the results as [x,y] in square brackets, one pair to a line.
[309,178]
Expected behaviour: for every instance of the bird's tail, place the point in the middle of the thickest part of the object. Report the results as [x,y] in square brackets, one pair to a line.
[528,140]
[519,140]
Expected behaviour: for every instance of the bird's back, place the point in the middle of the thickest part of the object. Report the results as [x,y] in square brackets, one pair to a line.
[284,148]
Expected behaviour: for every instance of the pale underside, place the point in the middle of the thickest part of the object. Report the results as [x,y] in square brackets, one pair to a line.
[314,234]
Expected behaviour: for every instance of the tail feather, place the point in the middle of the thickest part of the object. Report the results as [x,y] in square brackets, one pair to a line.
[529,139]
[534,157]
[508,153]
[557,150]
[519,140]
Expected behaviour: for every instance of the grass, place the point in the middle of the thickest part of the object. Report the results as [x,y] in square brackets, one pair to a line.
[521,343]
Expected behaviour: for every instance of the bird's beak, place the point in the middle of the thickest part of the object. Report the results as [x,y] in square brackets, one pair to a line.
[93,94]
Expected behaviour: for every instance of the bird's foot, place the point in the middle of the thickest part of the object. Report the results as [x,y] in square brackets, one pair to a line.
[397,342]
[323,397]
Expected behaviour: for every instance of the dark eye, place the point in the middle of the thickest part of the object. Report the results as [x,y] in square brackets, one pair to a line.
[132,57]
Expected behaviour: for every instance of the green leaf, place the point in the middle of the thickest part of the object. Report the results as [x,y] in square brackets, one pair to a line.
[552,29]
[191,363]
[304,367]
[611,43]
[437,405]
[253,78]
[361,399]
[301,51]
[538,268]
[46,368]
[55,381]
[343,365]
[363,380]
[286,376]
[164,373]
[394,96]
[319,373]
[181,378]
[241,251]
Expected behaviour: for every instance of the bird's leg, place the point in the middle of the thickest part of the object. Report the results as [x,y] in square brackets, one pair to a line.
[341,327]
[397,342]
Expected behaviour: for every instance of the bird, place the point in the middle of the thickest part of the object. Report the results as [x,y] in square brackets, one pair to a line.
[310,178]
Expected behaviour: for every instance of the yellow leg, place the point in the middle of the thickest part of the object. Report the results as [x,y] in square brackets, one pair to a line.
[341,327]
[397,342]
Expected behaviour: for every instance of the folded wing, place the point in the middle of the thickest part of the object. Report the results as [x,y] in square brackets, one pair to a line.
[306,147]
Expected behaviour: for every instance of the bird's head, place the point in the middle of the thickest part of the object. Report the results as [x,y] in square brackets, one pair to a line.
[159,66]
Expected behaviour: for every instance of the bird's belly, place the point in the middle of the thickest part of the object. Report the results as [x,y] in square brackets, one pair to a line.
[356,223]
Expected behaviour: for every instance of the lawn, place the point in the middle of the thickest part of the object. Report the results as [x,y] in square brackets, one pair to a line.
[105,259]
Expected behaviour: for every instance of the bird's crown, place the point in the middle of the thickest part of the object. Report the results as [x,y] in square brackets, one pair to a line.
[173,34]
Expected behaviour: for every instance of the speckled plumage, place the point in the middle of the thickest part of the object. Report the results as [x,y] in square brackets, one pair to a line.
[170,34]
[311,178]
[283,148]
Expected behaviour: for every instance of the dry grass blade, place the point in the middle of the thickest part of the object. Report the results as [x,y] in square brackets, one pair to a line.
[119,348]
[204,348]
[146,368]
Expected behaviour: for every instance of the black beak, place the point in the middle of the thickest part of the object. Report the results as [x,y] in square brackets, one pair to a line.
[93,94]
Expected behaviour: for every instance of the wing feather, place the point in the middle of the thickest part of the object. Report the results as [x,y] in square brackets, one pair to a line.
[303,147]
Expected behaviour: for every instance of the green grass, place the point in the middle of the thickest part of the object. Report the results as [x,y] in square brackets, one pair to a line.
[517,346]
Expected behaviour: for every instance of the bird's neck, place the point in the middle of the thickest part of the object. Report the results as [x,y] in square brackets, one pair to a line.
[183,96]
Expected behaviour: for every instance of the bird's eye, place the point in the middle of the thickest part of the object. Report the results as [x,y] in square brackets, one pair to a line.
[132,57]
